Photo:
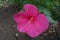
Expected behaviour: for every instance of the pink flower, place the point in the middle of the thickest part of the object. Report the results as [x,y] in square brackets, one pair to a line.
[31,21]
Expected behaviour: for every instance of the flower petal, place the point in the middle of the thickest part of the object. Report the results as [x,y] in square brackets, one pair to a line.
[28,29]
[31,9]
[19,18]
[32,31]
[20,27]
[41,23]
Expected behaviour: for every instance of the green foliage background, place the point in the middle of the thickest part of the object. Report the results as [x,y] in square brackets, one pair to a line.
[51,8]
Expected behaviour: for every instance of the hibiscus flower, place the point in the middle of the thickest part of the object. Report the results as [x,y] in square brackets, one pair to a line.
[31,21]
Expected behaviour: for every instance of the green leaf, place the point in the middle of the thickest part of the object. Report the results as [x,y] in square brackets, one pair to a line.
[40,9]
[16,1]
[46,12]
[1,3]
[13,1]
[50,19]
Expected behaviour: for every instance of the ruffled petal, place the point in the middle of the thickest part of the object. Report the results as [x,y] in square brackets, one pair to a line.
[41,23]
[30,10]
[32,31]
[20,17]
[21,27]
[28,29]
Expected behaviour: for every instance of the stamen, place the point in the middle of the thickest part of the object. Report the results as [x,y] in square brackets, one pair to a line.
[30,20]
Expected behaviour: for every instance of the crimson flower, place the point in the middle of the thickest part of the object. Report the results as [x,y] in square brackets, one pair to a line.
[31,21]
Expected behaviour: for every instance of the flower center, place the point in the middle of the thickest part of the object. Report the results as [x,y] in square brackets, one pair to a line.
[31,19]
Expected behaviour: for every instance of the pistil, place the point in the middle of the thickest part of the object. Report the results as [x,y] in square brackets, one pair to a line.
[31,19]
